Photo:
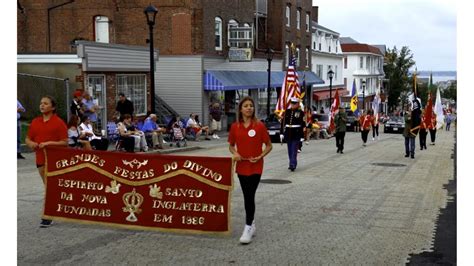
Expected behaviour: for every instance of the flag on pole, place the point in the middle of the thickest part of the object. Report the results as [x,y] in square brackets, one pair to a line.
[290,87]
[438,109]
[334,108]
[428,110]
[414,84]
[375,106]
[354,99]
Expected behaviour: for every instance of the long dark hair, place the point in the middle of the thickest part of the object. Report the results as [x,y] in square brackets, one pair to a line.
[241,103]
[73,121]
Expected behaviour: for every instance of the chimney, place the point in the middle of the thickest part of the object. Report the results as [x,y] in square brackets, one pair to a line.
[314,13]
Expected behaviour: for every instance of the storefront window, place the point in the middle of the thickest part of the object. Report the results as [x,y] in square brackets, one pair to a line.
[134,88]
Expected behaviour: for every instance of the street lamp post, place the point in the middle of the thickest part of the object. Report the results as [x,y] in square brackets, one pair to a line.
[269,54]
[150,13]
[330,75]
[363,95]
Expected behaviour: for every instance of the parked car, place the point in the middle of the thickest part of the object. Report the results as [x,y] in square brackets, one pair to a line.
[273,127]
[395,124]
[351,120]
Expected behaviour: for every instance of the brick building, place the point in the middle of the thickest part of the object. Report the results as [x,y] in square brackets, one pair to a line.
[195,38]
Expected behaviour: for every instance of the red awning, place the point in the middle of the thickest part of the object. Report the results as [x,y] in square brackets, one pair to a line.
[324,94]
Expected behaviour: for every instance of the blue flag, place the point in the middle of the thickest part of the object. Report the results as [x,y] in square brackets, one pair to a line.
[354,100]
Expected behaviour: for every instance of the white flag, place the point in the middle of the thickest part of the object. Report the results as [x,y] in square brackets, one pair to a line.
[438,109]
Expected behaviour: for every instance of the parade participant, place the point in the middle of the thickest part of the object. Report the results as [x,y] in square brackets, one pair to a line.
[292,130]
[340,120]
[246,138]
[432,128]
[309,124]
[365,121]
[375,126]
[423,132]
[46,130]
[409,136]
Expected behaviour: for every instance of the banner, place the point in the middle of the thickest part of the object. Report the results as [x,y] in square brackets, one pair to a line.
[139,191]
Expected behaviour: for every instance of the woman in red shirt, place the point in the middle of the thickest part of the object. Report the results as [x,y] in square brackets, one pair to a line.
[365,121]
[246,139]
[46,130]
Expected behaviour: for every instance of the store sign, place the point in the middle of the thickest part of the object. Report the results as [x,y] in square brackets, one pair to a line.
[139,191]
[240,54]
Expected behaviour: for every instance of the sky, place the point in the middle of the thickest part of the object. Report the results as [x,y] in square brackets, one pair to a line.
[428,28]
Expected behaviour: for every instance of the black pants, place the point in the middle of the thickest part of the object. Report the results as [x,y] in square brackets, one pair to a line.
[128,143]
[249,186]
[375,130]
[340,140]
[100,144]
[423,134]
[364,133]
[433,135]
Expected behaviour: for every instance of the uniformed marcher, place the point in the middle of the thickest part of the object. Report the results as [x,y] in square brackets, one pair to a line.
[292,130]
[340,120]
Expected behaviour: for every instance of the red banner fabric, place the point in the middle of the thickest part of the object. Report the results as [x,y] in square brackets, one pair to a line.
[139,191]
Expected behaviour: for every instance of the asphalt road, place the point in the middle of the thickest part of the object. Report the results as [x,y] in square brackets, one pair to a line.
[368,206]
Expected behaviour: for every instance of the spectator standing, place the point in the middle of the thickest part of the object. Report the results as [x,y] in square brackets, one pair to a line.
[340,120]
[124,106]
[449,119]
[46,130]
[90,108]
[216,114]
[19,109]
[246,139]
[76,105]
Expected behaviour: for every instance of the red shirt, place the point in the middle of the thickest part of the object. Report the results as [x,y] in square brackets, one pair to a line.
[42,131]
[365,121]
[248,146]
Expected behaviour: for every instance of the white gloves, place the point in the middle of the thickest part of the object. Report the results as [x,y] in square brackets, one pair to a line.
[281,138]
[302,139]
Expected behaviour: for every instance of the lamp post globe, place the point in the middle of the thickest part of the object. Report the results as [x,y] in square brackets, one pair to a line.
[330,76]
[269,53]
[150,13]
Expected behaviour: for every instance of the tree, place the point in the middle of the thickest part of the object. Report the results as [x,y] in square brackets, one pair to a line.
[396,68]
[450,92]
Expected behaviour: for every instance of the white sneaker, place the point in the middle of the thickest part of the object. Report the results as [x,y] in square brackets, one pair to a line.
[246,235]
[217,137]
[164,142]
[373,139]
[214,136]
[254,228]
[306,142]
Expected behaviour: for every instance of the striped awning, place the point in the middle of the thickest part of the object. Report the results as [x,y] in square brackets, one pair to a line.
[215,80]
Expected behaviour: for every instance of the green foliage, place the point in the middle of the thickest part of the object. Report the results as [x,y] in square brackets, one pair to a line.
[450,92]
[396,68]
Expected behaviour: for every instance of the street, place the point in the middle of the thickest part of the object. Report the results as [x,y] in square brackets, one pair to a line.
[369,206]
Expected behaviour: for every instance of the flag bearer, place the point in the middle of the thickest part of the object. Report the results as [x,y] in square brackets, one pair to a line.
[365,122]
[292,130]
[432,128]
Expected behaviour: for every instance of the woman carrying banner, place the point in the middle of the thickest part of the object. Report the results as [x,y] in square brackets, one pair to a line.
[46,130]
[246,138]
[365,121]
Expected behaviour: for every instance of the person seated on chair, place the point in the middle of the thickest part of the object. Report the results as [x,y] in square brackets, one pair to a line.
[151,128]
[97,142]
[76,138]
[126,139]
[196,129]
[140,141]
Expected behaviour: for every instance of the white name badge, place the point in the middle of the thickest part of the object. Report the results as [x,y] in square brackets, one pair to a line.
[252,133]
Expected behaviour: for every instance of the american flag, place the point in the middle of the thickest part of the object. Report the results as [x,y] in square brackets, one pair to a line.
[290,87]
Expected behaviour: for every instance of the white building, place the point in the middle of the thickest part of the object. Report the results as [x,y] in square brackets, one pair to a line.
[326,55]
[363,62]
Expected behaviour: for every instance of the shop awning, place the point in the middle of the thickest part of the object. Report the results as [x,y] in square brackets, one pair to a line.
[215,80]
[324,94]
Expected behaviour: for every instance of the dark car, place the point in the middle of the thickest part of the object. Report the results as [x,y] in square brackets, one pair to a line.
[351,120]
[395,124]
[273,127]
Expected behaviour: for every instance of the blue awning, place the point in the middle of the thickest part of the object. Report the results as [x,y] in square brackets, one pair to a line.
[216,80]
